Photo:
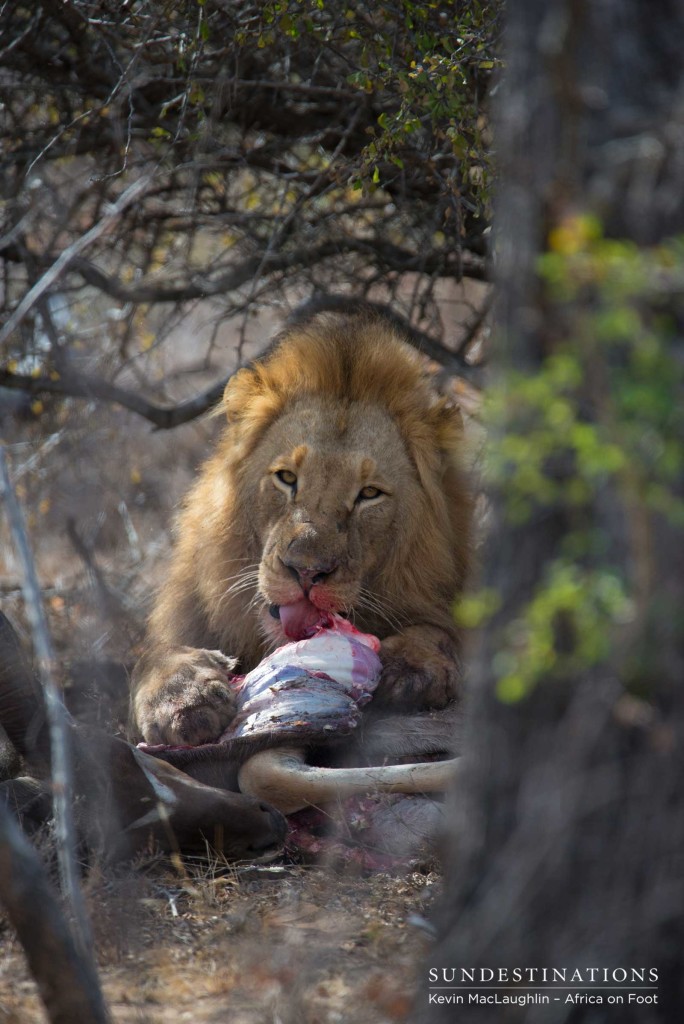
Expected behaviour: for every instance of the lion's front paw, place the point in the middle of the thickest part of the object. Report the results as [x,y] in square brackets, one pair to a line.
[419,668]
[186,698]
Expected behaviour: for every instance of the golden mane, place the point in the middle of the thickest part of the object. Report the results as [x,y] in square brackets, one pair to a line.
[360,359]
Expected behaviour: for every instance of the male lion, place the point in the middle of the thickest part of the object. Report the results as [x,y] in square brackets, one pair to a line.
[336,486]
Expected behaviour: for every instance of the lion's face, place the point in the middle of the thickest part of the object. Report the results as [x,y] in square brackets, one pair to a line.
[330,488]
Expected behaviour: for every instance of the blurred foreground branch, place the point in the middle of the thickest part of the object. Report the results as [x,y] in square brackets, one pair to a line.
[65,974]
[65,834]
[567,834]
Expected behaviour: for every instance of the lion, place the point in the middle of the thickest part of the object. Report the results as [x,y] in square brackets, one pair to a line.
[336,486]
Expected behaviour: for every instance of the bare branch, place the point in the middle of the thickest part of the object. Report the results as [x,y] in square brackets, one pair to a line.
[68,255]
[165,417]
[472,328]
[284,155]
[393,256]
[79,385]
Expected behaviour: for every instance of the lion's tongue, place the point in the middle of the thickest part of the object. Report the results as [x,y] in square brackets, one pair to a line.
[301,619]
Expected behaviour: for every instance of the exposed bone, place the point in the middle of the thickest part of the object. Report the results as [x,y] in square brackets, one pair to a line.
[283,777]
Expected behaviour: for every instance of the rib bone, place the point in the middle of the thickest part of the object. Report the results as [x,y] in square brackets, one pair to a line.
[283,777]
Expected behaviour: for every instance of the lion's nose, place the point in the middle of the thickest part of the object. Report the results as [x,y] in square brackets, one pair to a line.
[308,574]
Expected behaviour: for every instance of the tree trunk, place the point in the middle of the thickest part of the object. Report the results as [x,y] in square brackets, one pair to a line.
[567,842]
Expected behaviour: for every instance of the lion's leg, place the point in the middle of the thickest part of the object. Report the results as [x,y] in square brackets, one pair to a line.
[181,691]
[182,695]
[421,668]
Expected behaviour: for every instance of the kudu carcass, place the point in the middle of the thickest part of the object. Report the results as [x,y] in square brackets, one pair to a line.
[301,739]
[125,799]
[306,735]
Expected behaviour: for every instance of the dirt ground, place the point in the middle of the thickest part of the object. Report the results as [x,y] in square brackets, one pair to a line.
[246,945]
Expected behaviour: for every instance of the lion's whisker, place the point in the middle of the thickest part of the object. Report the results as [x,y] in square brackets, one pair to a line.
[243,581]
[242,584]
[381,603]
[245,568]
[375,604]
[254,567]
[257,599]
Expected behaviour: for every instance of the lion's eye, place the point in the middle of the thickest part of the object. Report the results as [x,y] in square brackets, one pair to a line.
[287,477]
[368,493]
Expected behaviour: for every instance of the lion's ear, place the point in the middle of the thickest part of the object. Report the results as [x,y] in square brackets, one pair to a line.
[238,393]
[251,404]
[448,423]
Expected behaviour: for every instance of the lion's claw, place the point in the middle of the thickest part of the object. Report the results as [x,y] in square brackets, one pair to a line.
[188,700]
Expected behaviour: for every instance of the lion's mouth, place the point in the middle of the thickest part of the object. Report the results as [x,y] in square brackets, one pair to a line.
[300,619]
